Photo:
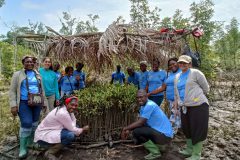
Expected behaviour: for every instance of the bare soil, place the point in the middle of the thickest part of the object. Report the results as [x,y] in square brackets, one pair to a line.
[223,142]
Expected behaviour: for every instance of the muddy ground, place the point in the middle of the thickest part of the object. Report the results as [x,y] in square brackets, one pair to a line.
[223,142]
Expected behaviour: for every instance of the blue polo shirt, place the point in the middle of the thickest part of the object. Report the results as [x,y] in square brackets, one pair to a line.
[68,84]
[170,85]
[143,79]
[32,83]
[82,78]
[58,74]
[118,77]
[155,80]
[156,118]
[181,84]
[134,79]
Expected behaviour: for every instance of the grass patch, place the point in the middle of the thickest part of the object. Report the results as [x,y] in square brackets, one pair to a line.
[9,126]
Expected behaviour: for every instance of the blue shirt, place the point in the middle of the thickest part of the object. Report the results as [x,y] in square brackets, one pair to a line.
[134,79]
[143,79]
[82,79]
[50,82]
[170,85]
[181,84]
[68,84]
[155,80]
[58,74]
[156,118]
[118,77]
[32,83]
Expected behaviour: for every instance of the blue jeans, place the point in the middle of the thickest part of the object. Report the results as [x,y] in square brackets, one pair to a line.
[66,138]
[157,99]
[28,115]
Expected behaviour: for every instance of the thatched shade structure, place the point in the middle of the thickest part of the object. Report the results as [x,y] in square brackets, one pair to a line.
[121,41]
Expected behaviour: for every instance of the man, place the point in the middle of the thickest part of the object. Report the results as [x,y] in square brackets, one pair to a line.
[118,76]
[133,77]
[79,75]
[152,128]
[143,74]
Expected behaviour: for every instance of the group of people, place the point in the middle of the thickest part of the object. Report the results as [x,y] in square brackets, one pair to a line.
[185,89]
[34,89]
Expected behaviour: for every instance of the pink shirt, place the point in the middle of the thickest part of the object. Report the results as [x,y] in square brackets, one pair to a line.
[50,128]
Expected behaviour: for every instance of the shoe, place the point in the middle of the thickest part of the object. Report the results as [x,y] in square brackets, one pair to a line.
[23,148]
[153,149]
[187,151]
[151,156]
[50,153]
[162,148]
[197,149]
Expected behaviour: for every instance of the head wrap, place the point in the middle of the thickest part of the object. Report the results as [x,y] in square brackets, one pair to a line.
[68,100]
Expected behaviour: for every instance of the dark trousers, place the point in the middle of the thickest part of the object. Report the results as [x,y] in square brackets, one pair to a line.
[66,138]
[195,122]
[157,99]
[143,134]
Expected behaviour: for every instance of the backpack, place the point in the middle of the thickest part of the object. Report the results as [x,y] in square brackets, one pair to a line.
[196,59]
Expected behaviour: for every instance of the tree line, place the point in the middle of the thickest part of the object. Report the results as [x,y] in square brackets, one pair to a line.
[219,46]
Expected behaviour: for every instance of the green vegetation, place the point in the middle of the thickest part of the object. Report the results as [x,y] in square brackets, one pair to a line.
[95,99]
[9,125]
[9,61]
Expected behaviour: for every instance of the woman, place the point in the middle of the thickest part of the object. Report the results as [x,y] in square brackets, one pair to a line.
[168,85]
[58,128]
[68,82]
[190,87]
[155,80]
[80,75]
[56,67]
[50,83]
[24,82]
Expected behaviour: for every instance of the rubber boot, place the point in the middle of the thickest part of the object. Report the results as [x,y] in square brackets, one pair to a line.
[30,140]
[30,143]
[153,149]
[187,151]
[197,149]
[50,153]
[23,147]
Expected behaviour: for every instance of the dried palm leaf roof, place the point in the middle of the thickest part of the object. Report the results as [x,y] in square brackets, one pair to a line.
[121,41]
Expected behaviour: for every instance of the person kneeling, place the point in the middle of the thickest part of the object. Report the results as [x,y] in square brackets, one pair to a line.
[152,128]
[59,128]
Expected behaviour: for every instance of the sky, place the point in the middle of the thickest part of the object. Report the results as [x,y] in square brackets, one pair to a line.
[18,12]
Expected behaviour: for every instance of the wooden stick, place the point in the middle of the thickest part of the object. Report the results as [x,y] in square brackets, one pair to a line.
[100,144]
[33,36]
[132,146]
[10,149]
[8,155]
